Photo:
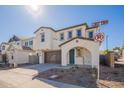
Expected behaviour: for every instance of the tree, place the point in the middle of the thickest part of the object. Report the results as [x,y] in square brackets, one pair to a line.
[105,51]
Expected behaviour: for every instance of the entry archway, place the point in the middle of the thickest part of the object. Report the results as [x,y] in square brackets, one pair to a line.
[79,56]
[90,47]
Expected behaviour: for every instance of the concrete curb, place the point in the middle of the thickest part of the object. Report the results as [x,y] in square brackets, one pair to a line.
[59,84]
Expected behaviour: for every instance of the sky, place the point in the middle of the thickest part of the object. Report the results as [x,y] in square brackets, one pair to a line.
[23,20]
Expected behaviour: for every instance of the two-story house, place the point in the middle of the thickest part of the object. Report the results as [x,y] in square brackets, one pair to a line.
[17,49]
[66,46]
[70,45]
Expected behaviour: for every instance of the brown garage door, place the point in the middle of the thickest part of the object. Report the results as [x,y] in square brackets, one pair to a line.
[53,57]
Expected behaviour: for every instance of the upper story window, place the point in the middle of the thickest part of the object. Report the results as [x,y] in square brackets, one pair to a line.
[70,35]
[30,42]
[61,36]
[26,43]
[79,33]
[42,37]
[3,47]
[90,34]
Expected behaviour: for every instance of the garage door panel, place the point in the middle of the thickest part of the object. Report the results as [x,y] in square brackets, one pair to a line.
[53,57]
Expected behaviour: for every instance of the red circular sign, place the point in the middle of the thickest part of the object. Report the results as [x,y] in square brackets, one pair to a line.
[99,37]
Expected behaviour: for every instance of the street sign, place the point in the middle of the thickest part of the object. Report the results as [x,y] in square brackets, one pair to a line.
[103,22]
[99,37]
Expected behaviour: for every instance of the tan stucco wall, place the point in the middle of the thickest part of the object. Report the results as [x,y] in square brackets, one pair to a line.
[84,59]
[74,34]
[52,38]
[20,57]
[92,46]
[38,45]
[6,47]
[28,40]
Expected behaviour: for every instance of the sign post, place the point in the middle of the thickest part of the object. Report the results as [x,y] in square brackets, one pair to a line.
[99,37]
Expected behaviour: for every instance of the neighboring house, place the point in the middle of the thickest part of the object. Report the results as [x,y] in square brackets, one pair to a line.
[4,46]
[18,54]
[21,41]
[123,54]
[71,45]
[28,42]
[0,57]
[15,40]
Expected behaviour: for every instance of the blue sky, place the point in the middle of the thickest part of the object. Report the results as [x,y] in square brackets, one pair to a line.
[18,20]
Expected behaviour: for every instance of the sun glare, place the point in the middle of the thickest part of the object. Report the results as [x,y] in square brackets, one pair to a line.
[34,7]
[35,10]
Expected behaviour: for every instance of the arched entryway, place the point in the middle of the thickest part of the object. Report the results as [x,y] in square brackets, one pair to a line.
[90,54]
[79,56]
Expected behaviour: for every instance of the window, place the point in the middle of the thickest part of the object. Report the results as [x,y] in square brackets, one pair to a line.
[17,43]
[79,53]
[79,33]
[69,35]
[26,43]
[12,57]
[61,36]
[90,34]
[3,47]
[30,42]
[42,37]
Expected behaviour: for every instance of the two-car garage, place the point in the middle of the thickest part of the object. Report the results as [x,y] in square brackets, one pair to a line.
[52,57]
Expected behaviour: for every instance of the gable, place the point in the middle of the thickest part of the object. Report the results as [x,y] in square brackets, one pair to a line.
[14,38]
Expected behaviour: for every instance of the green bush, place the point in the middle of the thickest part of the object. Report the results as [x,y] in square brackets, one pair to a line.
[105,52]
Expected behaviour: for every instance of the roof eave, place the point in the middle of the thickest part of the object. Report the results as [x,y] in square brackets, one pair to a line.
[76,38]
[72,27]
[44,27]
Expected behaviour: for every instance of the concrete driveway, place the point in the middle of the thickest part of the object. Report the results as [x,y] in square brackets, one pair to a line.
[34,69]
[23,77]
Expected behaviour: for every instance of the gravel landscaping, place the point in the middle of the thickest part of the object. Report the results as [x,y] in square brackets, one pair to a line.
[86,77]
[112,77]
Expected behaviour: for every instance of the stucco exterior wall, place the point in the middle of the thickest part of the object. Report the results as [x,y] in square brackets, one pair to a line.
[16,43]
[74,34]
[6,47]
[91,46]
[93,30]
[52,38]
[84,59]
[48,43]
[19,57]
[28,40]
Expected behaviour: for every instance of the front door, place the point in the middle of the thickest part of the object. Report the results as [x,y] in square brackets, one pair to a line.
[71,56]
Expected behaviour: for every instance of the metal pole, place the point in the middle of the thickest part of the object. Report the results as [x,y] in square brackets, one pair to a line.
[98,67]
[106,42]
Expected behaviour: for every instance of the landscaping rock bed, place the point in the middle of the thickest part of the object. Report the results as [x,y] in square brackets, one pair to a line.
[85,77]
[109,77]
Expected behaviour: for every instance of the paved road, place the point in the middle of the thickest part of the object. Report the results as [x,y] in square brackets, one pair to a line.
[5,85]
[23,78]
